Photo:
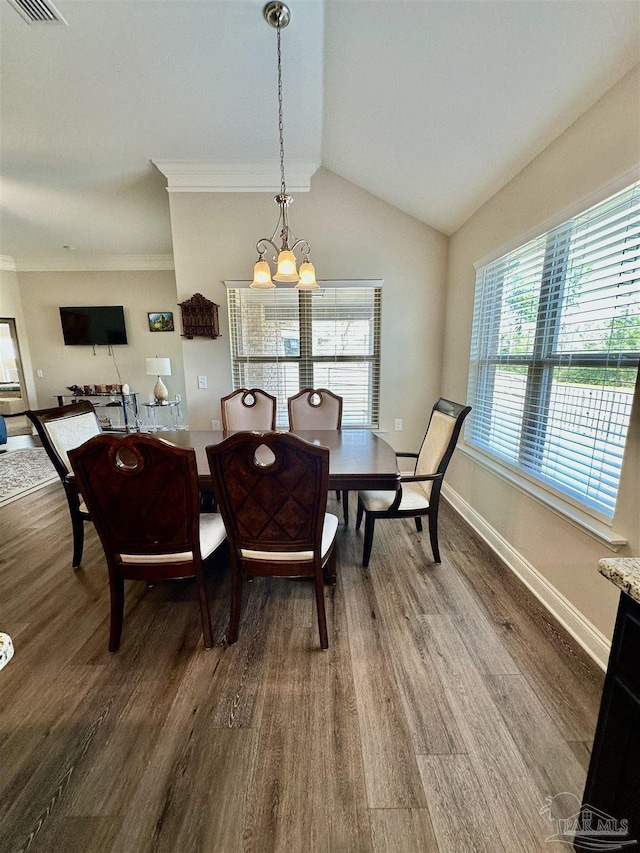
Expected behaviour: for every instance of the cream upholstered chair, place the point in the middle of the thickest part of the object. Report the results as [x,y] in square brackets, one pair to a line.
[317,408]
[248,408]
[61,429]
[419,492]
[274,513]
[142,493]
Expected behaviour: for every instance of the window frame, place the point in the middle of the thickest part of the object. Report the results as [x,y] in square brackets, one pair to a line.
[306,359]
[540,364]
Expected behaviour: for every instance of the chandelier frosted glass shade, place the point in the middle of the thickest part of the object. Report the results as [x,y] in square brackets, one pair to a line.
[262,276]
[287,267]
[307,276]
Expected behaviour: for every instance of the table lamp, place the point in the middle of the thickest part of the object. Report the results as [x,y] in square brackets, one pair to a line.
[159,367]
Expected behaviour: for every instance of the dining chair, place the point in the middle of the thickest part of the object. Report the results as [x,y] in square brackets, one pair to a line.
[142,494]
[61,429]
[419,491]
[248,408]
[275,513]
[318,408]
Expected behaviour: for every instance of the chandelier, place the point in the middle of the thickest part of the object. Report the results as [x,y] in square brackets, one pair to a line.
[278,16]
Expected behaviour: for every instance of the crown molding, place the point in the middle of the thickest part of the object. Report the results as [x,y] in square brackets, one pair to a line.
[199,176]
[7,263]
[95,263]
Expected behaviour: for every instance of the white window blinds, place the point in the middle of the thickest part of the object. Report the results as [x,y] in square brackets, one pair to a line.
[555,350]
[283,340]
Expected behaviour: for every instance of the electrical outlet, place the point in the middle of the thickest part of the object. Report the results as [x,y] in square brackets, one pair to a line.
[39,374]
[398,425]
[215,426]
[202,382]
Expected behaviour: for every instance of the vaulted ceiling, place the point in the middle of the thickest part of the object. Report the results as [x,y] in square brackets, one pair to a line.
[432,105]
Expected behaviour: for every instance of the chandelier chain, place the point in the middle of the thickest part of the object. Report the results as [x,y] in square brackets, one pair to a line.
[283,188]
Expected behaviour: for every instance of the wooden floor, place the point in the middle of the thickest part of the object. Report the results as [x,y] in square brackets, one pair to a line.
[447,708]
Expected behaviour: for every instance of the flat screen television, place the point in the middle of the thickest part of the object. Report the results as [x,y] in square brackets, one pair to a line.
[91,325]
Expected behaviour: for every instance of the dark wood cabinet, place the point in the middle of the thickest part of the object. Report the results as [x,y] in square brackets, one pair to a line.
[613,780]
[199,318]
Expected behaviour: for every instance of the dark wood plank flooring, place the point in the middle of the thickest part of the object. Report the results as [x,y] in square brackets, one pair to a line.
[447,708]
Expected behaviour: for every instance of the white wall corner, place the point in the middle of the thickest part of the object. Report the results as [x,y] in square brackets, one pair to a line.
[198,176]
[587,635]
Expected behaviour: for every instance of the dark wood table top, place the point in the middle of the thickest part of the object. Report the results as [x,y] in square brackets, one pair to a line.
[358,459]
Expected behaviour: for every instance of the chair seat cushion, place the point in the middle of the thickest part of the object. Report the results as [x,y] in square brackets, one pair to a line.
[212,534]
[329,529]
[413,498]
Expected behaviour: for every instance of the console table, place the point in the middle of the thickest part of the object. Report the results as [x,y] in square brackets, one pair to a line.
[127,404]
[173,407]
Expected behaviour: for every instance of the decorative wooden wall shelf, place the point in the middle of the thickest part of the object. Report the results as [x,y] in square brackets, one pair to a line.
[199,318]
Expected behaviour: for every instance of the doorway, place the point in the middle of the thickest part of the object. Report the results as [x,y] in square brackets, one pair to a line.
[13,393]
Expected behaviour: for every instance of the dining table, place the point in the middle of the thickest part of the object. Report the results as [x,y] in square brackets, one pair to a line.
[358,458]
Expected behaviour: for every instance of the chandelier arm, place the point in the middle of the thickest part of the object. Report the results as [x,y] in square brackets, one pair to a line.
[261,242]
[302,243]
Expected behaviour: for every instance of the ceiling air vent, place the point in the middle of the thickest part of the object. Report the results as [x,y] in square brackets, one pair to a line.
[38,12]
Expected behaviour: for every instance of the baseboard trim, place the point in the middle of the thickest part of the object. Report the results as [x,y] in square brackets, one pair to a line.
[587,635]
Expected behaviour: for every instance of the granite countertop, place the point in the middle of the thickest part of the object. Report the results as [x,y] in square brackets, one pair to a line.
[624,572]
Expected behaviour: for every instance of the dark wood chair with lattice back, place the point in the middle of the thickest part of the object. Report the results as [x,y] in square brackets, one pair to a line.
[318,408]
[275,512]
[248,408]
[61,429]
[419,492]
[142,494]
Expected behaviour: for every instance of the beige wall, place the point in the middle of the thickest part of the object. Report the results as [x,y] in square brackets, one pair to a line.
[600,147]
[139,292]
[11,307]
[352,235]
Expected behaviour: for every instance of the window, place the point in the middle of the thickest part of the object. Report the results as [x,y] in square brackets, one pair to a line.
[283,340]
[554,353]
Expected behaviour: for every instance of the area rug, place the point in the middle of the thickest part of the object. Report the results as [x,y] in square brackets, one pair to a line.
[23,472]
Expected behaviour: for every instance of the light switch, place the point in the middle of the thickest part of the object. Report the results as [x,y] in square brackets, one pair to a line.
[202,382]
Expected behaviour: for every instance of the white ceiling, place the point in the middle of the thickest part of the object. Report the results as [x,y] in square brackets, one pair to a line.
[432,105]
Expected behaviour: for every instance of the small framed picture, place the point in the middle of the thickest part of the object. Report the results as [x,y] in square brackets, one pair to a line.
[161,321]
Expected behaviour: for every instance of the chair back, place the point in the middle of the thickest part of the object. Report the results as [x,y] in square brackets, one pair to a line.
[248,409]
[142,494]
[440,440]
[277,507]
[315,409]
[63,428]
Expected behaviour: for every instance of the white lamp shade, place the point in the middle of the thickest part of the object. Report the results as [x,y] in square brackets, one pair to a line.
[286,267]
[158,366]
[307,277]
[262,276]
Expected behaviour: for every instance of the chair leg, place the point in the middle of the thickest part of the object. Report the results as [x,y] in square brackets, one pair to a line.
[77,527]
[322,616]
[345,507]
[418,521]
[236,601]
[338,496]
[433,535]
[205,614]
[359,513]
[330,567]
[369,524]
[116,588]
